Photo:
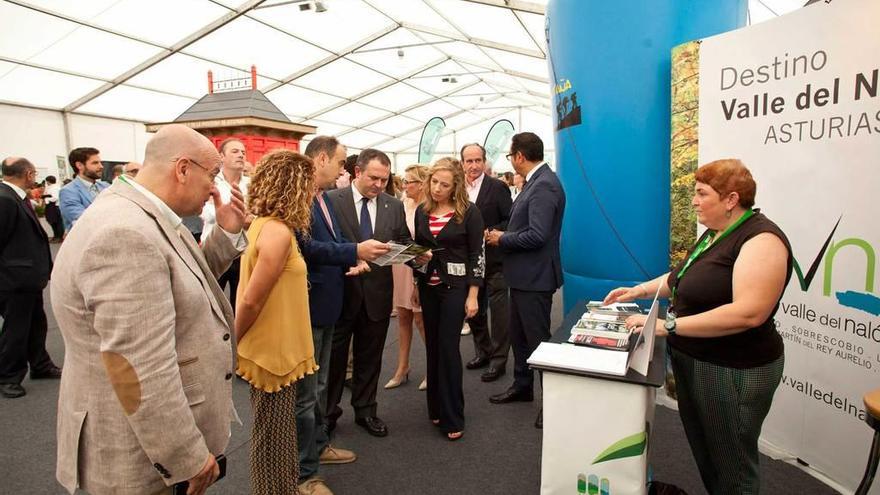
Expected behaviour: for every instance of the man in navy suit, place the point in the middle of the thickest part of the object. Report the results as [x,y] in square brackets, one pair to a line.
[532,266]
[25,265]
[365,212]
[75,197]
[329,257]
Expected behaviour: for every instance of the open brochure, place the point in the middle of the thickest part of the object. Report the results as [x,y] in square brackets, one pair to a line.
[400,253]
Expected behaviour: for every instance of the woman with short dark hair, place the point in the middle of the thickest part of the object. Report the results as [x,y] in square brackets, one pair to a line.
[727,356]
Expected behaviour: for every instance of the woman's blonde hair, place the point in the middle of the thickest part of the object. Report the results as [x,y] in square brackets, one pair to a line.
[420,172]
[282,187]
[459,197]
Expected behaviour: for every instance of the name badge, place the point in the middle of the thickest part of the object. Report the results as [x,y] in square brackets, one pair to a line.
[456,269]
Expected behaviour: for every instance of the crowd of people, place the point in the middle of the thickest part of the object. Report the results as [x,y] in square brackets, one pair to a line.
[152,341]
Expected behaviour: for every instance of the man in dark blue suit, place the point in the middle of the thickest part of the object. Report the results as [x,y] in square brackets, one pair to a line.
[532,266]
[25,265]
[329,257]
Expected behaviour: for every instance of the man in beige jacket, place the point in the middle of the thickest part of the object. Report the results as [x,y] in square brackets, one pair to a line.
[146,396]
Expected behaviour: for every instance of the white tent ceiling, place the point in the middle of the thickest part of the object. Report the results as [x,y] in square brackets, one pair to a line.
[336,66]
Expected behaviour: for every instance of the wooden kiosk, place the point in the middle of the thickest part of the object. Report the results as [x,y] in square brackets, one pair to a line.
[236,108]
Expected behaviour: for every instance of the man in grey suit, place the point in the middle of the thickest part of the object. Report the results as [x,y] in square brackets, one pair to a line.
[146,394]
[365,212]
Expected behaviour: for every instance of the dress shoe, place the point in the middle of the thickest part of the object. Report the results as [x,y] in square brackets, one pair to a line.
[539,422]
[476,363]
[333,455]
[512,395]
[373,425]
[395,381]
[50,373]
[424,385]
[12,390]
[314,486]
[455,435]
[492,374]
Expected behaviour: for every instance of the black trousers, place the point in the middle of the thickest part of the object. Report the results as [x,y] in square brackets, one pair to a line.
[53,216]
[529,326]
[231,276]
[369,342]
[23,337]
[493,297]
[443,313]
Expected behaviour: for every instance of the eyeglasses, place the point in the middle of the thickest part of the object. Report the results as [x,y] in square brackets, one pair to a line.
[407,182]
[211,173]
[509,155]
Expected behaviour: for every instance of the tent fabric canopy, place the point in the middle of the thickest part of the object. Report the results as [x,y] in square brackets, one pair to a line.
[371,72]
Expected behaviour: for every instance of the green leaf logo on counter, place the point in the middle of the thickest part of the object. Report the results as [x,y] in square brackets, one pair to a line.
[631,446]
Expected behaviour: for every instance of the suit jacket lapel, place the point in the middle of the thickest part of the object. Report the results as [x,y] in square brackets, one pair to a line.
[349,214]
[484,193]
[191,255]
[337,227]
[31,214]
[84,192]
[320,214]
[381,214]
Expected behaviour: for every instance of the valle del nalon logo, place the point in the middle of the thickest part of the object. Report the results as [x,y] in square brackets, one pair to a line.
[631,446]
[865,301]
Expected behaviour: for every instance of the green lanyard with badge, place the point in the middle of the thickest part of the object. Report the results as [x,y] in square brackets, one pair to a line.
[710,240]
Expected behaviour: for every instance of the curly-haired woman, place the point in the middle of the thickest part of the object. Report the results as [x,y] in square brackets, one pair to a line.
[272,320]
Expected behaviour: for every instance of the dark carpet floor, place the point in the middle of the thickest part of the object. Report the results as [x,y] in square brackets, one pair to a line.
[500,453]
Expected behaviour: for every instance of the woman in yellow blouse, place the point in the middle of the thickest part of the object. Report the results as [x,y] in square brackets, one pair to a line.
[272,318]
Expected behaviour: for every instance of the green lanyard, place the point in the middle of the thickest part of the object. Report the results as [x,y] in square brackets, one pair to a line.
[707,244]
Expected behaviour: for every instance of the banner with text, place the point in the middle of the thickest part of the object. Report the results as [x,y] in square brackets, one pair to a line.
[796,98]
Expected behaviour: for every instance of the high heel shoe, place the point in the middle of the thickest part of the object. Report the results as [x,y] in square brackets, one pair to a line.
[395,382]
[424,385]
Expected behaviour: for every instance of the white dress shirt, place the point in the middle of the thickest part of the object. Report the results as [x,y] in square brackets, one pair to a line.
[225,190]
[21,193]
[532,172]
[473,190]
[51,192]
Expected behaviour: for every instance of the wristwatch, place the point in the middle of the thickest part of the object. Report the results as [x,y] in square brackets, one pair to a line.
[670,323]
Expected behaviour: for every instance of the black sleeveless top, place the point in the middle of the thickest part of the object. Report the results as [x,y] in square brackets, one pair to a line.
[708,284]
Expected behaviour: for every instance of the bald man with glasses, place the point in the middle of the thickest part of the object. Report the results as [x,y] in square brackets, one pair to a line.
[146,395]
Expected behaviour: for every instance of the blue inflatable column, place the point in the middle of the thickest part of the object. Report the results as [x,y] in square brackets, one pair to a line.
[610,63]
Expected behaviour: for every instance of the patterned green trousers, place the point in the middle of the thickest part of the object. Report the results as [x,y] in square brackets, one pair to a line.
[722,410]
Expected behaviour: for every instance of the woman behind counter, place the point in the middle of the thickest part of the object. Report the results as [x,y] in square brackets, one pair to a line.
[452,226]
[272,323]
[727,356]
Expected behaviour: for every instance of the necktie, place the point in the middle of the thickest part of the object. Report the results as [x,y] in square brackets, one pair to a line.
[30,208]
[93,189]
[366,223]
